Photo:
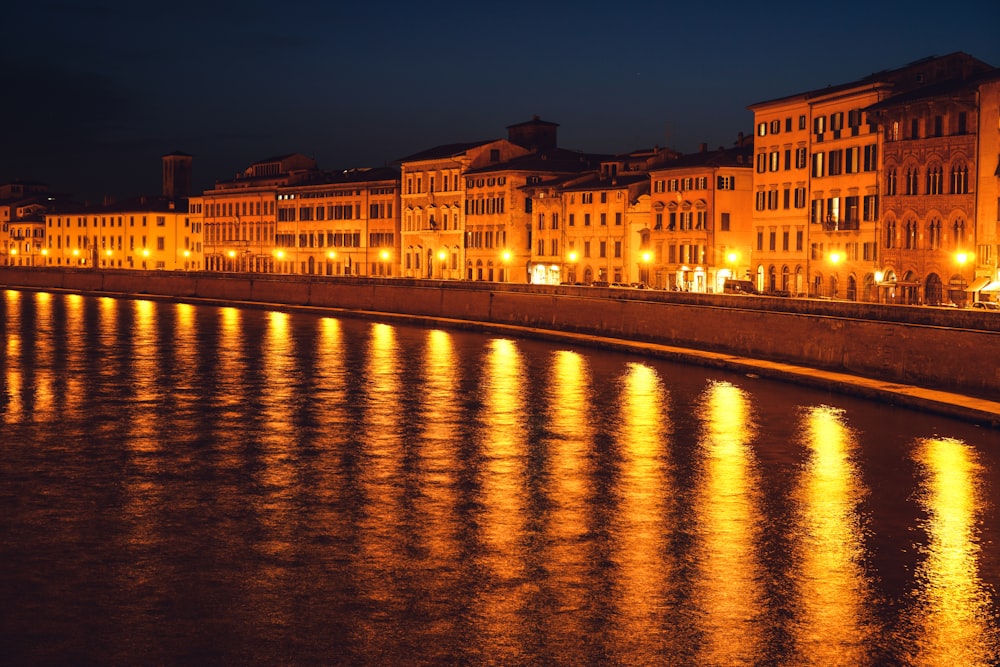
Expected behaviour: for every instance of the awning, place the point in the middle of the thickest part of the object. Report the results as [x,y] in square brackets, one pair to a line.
[978,284]
[992,288]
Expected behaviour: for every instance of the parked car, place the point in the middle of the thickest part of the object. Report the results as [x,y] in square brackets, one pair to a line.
[600,283]
[739,287]
[986,305]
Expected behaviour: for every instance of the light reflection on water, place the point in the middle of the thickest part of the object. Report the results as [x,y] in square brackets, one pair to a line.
[190,484]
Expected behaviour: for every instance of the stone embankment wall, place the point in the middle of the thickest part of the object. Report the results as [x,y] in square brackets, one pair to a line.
[939,348]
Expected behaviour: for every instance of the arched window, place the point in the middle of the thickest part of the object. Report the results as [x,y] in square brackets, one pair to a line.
[890,182]
[934,234]
[890,234]
[910,232]
[958,237]
[934,180]
[912,175]
[959,179]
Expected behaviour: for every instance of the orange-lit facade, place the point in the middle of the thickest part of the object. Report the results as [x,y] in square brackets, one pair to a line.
[240,215]
[821,187]
[146,234]
[22,223]
[939,229]
[699,231]
[340,223]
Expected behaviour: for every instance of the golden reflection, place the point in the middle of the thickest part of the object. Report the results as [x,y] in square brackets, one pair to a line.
[75,345]
[279,401]
[382,526]
[12,357]
[728,596]
[954,619]
[145,430]
[503,489]
[569,488]
[230,362]
[43,350]
[642,520]
[832,626]
[438,454]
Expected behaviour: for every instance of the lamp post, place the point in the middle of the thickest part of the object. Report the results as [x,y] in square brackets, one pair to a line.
[571,258]
[384,255]
[962,258]
[442,255]
[505,257]
[647,257]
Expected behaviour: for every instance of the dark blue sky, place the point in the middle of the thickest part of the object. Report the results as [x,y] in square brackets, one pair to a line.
[97,91]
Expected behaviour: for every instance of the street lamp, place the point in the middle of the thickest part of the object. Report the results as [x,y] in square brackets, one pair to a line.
[505,256]
[384,256]
[442,255]
[571,258]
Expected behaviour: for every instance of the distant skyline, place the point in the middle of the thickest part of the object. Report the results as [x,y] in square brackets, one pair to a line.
[97,92]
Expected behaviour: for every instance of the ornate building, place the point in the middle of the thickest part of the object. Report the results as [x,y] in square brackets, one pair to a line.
[939,209]
[818,194]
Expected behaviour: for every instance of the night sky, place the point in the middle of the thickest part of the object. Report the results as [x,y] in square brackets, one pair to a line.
[96,92]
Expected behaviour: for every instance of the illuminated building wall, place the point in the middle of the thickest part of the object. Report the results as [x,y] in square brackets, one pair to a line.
[700,229]
[935,238]
[144,235]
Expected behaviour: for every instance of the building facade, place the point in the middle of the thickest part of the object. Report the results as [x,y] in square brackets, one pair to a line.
[700,220]
[143,234]
[824,173]
[939,229]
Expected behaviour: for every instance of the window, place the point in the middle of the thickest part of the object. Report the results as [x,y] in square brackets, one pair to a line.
[912,175]
[761,129]
[802,122]
[959,179]
[760,239]
[772,239]
[835,165]
[784,241]
[775,126]
[586,220]
[604,218]
[819,125]
[871,158]
[800,158]
[618,249]
[760,201]
[890,182]
[915,128]
[772,200]
[798,240]
[761,163]
[818,165]
[726,183]
[800,197]
[604,197]
[934,180]
[724,222]
[775,161]
[870,206]
[618,219]
[852,160]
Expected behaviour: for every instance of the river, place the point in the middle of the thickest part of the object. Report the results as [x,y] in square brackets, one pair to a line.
[193,484]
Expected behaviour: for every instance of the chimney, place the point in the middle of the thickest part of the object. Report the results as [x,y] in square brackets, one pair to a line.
[703,147]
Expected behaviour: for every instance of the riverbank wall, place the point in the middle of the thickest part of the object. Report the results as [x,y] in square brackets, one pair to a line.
[940,348]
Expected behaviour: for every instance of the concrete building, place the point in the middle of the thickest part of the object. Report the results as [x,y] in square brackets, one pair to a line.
[22,223]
